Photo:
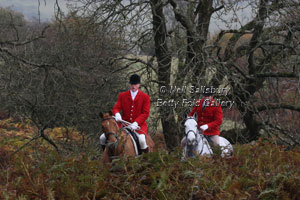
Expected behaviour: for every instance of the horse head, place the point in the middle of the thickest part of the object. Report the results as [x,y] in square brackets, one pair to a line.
[118,142]
[196,142]
[109,126]
[191,130]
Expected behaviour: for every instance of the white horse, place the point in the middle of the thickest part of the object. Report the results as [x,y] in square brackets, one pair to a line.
[197,144]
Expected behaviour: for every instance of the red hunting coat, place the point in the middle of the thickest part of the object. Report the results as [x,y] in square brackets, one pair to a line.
[134,111]
[212,116]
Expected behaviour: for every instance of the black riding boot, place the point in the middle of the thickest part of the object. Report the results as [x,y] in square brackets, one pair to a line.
[145,150]
[103,147]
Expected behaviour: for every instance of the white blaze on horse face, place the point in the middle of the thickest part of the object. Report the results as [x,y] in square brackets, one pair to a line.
[191,130]
[107,123]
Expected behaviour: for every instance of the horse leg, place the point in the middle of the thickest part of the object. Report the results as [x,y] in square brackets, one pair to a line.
[150,143]
[106,158]
[183,154]
[183,142]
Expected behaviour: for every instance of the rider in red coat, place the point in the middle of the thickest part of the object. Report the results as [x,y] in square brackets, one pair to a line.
[210,115]
[135,107]
[136,110]
[209,119]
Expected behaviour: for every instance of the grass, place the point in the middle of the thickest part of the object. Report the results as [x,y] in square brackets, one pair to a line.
[259,171]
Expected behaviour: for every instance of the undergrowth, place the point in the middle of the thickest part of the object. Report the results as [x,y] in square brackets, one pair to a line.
[258,171]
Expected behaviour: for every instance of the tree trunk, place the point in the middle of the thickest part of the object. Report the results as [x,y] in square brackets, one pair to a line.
[168,121]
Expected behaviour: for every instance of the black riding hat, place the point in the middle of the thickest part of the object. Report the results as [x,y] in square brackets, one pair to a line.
[135,79]
[207,92]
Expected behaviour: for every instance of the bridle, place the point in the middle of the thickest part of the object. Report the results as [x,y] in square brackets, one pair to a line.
[187,133]
[192,132]
[108,118]
[112,145]
[110,133]
[200,135]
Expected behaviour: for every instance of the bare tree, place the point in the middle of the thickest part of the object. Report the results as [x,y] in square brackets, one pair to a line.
[169,42]
[247,55]
[269,54]
[57,74]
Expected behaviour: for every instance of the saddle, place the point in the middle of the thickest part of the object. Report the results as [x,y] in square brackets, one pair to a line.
[210,142]
[135,138]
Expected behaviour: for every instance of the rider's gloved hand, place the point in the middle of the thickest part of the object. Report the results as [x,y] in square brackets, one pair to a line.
[204,127]
[118,117]
[133,126]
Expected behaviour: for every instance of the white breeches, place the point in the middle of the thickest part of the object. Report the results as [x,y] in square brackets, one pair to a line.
[214,138]
[142,140]
[102,139]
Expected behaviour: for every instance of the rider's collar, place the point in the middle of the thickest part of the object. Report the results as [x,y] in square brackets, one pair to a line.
[133,94]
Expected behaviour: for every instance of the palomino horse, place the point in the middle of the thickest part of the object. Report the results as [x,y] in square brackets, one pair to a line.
[119,142]
[196,143]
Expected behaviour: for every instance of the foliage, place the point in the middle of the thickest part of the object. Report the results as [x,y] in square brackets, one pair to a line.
[9,19]
[258,171]
[60,73]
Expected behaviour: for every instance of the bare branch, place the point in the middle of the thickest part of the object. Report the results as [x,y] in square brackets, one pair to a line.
[276,75]
[278,106]
[217,9]
[4,50]
[14,43]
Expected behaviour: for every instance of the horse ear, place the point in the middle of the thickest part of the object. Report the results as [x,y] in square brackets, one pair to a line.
[110,113]
[195,115]
[101,115]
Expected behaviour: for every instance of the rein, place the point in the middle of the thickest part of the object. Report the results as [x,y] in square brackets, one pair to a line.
[112,146]
[200,135]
